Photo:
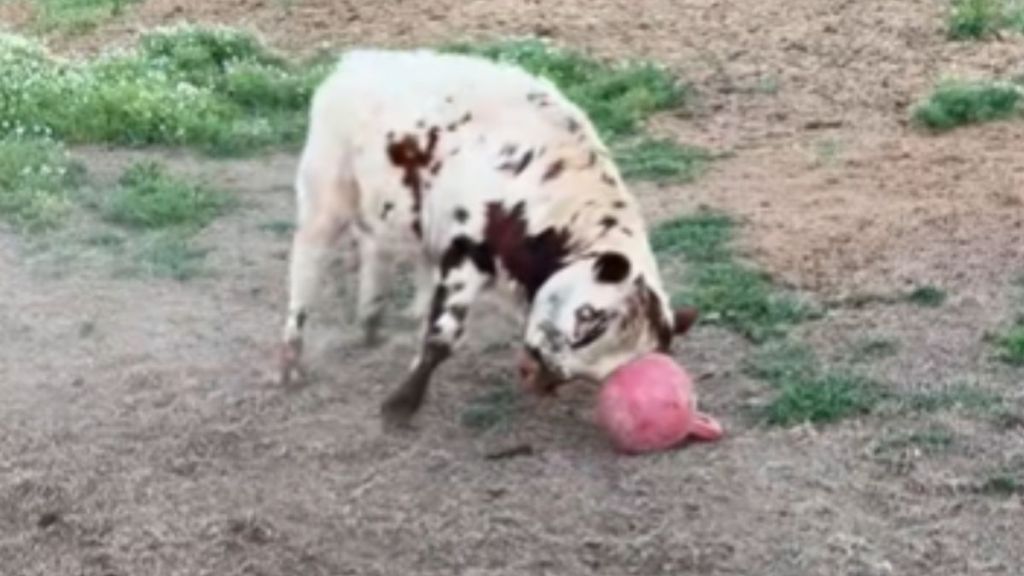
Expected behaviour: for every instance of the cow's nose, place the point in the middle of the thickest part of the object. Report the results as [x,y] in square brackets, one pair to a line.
[534,376]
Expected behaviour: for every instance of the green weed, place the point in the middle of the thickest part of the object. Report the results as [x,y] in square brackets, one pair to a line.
[807,392]
[169,254]
[702,237]
[726,291]
[149,198]
[978,19]
[660,161]
[75,16]
[956,104]
[927,296]
[216,89]
[1011,345]
[36,177]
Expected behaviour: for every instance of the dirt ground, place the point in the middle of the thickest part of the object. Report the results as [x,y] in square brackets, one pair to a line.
[141,431]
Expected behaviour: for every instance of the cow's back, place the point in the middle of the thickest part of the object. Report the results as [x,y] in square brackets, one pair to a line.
[433,138]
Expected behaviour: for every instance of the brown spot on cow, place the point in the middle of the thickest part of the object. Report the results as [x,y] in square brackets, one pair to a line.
[572,125]
[408,155]
[508,149]
[386,209]
[435,168]
[529,259]
[553,171]
[619,204]
[607,179]
[517,167]
[461,215]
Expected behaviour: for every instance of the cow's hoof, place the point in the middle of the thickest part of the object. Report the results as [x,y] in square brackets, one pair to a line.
[292,372]
[397,412]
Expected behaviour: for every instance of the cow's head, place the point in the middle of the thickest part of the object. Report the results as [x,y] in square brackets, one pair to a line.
[593,316]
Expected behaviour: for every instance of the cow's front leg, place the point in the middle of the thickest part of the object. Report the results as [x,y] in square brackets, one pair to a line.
[460,281]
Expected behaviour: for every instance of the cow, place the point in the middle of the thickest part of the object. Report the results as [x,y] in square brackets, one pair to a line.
[494,181]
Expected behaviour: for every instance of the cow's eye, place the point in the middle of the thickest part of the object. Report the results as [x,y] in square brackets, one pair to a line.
[591,324]
[586,313]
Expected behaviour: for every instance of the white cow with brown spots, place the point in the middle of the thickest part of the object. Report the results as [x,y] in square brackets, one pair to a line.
[496,180]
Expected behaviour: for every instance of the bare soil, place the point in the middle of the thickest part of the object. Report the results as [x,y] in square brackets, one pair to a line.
[141,431]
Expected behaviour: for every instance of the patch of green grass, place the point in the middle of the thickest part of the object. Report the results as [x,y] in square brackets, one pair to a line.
[807,392]
[169,254]
[927,296]
[36,179]
[216,89]
[492,409]
[956,104]
[147,197]
[979,19]
[660,160]
[1011,345]
[726,291]
[75,16]
[702,237]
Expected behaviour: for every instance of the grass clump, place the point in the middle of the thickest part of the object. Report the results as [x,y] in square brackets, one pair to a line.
[1011,345]
[979,19]
[726,291]
[36,177]
[660,160]
[956,104]
[807,392]
[170,254]
[618,98]
[75,16]
[927,296]
[165,213]
[216,89]
[147,197]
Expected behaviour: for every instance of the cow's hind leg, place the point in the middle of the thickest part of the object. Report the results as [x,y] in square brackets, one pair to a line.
[463,273]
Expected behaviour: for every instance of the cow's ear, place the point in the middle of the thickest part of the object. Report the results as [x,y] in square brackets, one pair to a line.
[683,319]
[611,268]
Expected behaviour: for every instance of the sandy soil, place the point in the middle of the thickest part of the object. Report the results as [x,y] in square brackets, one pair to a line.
[141,433]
